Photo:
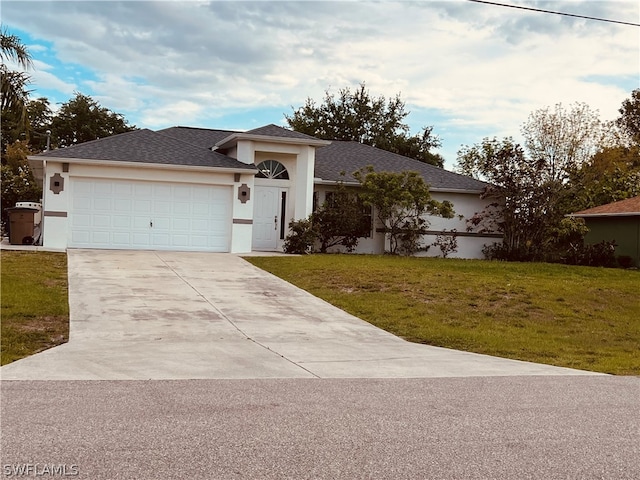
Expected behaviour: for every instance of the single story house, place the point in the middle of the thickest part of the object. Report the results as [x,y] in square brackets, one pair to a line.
[618,221]
[198,189]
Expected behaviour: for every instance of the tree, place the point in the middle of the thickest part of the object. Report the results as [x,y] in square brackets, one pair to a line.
[83,119]
[357,116]
[519,210]
[401,201]
[18,184]
[40,118]
[629,120]
[13,87]
[612,174]
[562,139]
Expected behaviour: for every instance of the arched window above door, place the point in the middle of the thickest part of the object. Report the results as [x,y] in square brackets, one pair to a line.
[272,169]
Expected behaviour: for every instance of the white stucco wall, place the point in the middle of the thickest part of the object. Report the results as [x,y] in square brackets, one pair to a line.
[55,208]
[465,206]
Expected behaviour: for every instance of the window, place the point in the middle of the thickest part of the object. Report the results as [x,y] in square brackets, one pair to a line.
[272,169]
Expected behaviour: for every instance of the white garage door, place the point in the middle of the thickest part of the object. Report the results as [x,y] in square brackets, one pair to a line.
[150,216]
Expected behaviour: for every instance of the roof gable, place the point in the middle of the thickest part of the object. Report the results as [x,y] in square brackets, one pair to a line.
[348,157]
[272,130]
[271,133]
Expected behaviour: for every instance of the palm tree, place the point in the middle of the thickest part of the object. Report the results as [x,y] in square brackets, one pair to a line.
[13,86]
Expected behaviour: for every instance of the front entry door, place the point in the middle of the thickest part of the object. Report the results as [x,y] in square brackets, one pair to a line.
[266,218]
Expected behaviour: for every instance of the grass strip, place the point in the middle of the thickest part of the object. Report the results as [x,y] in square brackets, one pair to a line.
[34,303]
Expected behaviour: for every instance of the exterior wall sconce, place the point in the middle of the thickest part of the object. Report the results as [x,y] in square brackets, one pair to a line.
[56,183]
[244,193]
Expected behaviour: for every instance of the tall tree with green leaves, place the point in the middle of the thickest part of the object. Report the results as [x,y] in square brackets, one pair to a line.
[83,119]
[356,115]
[629,120]
[519,208]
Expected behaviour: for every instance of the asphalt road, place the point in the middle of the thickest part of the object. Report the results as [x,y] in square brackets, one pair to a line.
[547,427]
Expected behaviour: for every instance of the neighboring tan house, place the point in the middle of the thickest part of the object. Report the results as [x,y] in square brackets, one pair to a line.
[199,189]
[617,221]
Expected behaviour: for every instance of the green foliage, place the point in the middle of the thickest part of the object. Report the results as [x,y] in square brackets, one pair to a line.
[595,255]
[401,201]
[357,116]
[341,220]
[521,209]
[572,162]
[300,238]
[13,84]
[570,231]
[629,120]
[83,119]
[612,174]
[40,118]
[18,183]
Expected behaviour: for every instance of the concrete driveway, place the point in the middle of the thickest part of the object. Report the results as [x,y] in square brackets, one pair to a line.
[168,315]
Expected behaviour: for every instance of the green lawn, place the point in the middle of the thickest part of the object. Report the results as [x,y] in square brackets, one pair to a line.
[579,317]
[35,306]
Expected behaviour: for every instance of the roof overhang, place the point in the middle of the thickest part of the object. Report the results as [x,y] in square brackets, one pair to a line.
[596,215]
[234,138]
[320,181]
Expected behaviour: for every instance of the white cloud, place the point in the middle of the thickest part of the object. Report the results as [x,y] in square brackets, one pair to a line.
[477,68]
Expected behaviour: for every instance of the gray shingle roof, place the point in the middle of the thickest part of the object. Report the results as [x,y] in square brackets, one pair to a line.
[146,146]
[202,137]
[348,157]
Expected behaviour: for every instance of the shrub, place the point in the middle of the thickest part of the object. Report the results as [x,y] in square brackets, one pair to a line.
[625,261]
[409,235]
[301,237]
[448,243]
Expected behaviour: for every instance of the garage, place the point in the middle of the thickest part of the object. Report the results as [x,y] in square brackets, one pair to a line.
[131,214]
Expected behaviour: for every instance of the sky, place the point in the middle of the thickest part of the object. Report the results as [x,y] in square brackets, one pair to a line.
[468,69]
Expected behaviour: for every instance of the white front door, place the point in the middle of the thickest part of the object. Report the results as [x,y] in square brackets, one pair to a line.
[266,217]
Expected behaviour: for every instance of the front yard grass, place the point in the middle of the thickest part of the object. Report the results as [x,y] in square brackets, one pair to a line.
[578,317]
[35,306]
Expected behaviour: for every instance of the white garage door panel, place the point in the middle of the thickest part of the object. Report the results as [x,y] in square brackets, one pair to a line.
[147,215]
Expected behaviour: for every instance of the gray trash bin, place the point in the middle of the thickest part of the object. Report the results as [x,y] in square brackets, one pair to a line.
[21,228]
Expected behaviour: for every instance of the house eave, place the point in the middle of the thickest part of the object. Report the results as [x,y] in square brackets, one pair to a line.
[161,166]
[320,181]
[596,215]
